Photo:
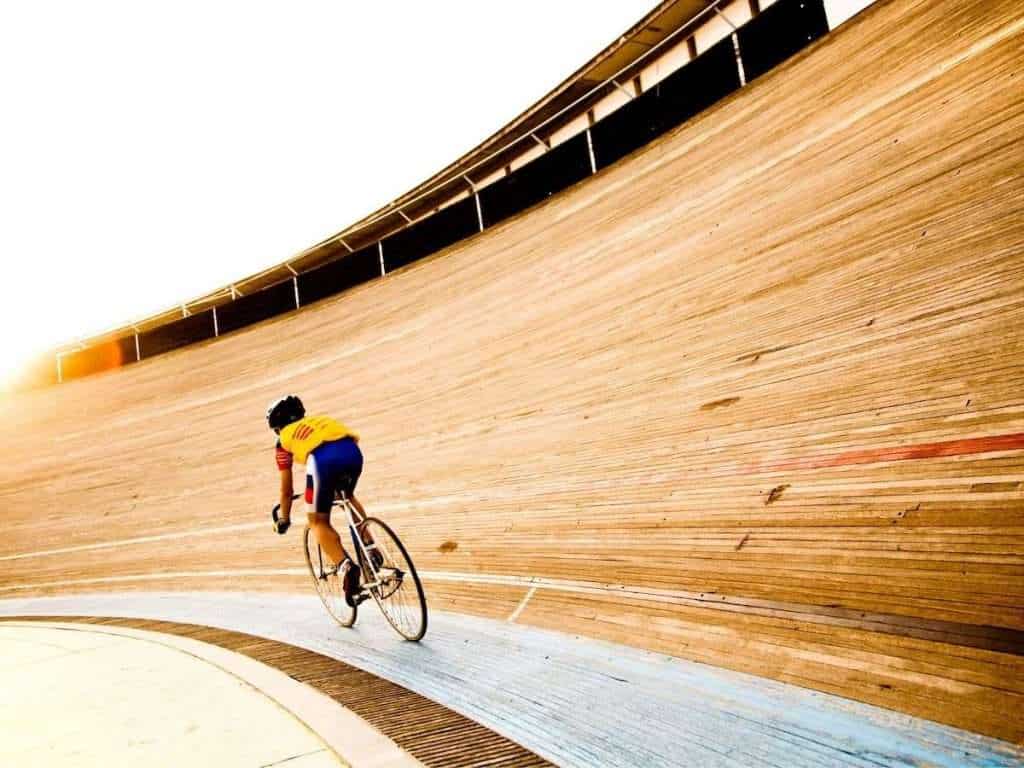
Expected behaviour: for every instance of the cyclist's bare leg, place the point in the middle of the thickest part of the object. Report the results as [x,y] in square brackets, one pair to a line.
[329,539]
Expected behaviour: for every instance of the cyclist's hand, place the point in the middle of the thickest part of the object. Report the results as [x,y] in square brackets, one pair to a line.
[281,524]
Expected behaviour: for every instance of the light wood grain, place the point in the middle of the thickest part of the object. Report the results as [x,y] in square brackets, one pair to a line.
[742,387]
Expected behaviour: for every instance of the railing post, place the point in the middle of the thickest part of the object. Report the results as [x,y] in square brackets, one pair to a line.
[735,45]
[479,211]
[476,197]
[216,327]
[295,282]
[380,253]
[590,151]
[138,351]
[739,59]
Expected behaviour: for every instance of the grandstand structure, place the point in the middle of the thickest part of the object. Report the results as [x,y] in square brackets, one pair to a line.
[732,378]
[680,59]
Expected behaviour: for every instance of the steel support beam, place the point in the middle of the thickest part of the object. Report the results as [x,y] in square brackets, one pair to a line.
[615,82]
[725,18]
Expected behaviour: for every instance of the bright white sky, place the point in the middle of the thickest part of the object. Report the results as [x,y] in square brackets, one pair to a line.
[151,152]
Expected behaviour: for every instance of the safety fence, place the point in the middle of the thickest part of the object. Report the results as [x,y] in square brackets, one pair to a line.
[749,51]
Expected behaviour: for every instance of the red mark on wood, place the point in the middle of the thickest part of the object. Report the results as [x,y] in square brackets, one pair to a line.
[965,447]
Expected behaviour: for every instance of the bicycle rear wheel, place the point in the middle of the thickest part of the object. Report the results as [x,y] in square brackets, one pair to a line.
[392,580]
[327,582]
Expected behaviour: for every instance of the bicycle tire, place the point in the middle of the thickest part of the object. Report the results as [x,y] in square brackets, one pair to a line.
[327,585]
[405,610]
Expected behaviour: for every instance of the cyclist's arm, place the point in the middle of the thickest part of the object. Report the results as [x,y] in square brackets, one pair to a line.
[286,493]
[284,465]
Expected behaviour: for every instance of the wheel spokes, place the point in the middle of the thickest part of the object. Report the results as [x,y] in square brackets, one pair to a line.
[327,583]
[393,584]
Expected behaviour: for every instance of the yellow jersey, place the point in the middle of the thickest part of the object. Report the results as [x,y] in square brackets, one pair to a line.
[302,437]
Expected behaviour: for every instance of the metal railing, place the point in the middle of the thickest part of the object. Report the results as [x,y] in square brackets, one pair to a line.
[396,207]
[445,179]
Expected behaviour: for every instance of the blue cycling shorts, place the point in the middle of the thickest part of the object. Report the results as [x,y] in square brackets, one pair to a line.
[331,467]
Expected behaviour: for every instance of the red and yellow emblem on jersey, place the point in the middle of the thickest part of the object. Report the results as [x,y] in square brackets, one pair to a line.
[301,437]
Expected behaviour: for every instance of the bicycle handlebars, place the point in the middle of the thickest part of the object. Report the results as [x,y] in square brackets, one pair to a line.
[273,516]
[277,507]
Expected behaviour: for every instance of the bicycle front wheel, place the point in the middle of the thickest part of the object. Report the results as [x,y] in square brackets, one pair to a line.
[392,581]
[327,582]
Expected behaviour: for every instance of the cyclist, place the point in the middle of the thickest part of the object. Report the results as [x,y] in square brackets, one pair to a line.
[330,452]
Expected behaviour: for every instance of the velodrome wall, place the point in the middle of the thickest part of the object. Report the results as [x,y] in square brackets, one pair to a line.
[750,396]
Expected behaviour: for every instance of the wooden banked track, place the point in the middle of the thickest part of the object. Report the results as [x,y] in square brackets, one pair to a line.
[432,733]
[750,397]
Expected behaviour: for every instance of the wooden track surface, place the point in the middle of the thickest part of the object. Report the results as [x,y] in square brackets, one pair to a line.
[432,733]
[751,397]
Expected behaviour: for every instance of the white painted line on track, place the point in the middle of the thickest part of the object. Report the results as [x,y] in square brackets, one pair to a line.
[531,583]
[160,577]
[434,502]
[522,604]
[473,578]
[137,540]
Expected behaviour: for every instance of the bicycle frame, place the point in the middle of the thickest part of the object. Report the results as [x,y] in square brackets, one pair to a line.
[364,561]
[380,578]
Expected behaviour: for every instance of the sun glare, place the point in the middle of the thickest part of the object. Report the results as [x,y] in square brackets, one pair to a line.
[23,361]
[203,175]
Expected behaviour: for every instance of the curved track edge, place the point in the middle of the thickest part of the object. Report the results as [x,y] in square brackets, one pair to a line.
[366,720]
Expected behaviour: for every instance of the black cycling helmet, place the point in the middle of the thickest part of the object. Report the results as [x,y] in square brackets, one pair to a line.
[284,410]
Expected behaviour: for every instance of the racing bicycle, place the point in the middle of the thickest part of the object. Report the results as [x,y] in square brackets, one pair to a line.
[386,573]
